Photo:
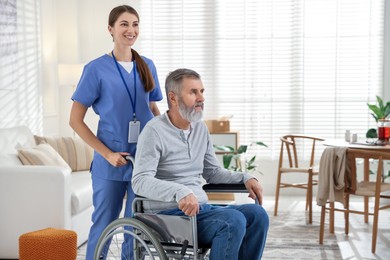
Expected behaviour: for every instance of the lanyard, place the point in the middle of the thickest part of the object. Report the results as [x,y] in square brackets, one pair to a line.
[133,103]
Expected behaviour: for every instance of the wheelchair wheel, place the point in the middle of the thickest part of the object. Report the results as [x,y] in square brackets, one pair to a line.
[111,244]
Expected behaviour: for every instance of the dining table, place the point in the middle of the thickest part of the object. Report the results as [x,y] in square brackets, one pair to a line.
[365,145]
[360,144]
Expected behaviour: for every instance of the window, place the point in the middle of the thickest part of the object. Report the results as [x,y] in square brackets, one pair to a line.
[279,67]
[20,63]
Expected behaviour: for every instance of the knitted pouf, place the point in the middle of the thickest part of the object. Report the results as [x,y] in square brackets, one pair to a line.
[48,244]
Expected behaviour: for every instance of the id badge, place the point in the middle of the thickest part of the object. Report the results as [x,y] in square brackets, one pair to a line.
[134,129]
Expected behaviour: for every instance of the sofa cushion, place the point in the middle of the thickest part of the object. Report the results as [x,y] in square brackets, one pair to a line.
[42,154]
[74,151]
[81,191]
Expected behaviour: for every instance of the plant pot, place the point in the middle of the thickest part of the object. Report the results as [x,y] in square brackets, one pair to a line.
[383,130]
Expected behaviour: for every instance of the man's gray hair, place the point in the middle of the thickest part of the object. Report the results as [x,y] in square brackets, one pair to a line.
[174,80]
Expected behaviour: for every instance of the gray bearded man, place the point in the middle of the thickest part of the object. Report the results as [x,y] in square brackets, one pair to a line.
[174,156]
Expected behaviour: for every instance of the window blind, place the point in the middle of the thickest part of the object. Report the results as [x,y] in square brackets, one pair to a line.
[20,64]
[279,67]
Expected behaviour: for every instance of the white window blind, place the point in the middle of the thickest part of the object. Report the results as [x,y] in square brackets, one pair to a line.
[20,64]
[279,67]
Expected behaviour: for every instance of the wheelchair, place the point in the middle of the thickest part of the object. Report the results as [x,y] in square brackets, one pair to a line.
[156,236]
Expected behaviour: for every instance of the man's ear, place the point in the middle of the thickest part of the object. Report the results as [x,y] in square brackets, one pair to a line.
[172,97]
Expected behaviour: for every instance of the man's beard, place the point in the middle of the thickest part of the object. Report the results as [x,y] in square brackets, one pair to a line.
[189,113]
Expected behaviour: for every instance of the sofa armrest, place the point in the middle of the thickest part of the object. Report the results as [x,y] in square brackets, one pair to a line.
[32,198]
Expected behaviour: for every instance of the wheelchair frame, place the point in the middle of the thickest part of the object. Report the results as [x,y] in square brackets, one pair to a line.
[157,236]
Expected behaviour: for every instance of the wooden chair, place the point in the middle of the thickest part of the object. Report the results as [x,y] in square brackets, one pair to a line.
[289,146]
[360,186]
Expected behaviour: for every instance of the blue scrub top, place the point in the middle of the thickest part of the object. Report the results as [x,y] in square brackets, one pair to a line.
[101,87]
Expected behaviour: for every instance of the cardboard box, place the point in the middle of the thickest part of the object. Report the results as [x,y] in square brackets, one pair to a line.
[218,126]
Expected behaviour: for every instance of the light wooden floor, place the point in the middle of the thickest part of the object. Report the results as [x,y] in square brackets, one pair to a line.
[357,245]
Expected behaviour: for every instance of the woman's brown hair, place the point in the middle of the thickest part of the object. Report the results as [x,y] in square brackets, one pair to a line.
[142,67]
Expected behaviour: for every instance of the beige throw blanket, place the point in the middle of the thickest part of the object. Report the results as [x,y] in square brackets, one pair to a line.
[333,167]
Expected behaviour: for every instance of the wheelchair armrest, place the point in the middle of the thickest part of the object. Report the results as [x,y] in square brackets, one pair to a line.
[225,187]
[137,203]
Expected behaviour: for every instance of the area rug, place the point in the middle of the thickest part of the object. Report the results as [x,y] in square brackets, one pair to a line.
[290,237]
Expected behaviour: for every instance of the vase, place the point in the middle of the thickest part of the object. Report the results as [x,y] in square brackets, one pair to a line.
[383,130]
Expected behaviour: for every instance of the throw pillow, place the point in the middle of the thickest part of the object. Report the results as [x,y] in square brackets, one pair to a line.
[75,152]
[42,154]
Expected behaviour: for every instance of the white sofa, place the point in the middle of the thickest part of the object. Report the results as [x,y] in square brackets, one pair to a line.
[34,197]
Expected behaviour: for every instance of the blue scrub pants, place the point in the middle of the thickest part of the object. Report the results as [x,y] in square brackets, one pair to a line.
[107,201]
[234,231]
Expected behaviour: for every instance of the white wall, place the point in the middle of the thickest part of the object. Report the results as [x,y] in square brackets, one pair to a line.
[386,65]
[50,90]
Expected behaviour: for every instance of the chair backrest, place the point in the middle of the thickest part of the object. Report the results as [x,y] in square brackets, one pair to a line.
[351,179]
[290,144]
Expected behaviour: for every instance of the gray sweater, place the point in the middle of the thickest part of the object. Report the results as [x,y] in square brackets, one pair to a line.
[168,166]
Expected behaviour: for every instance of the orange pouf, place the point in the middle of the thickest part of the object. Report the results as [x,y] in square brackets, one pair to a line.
[48,244]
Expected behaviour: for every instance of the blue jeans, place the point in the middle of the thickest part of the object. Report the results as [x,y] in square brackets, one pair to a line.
[234,231]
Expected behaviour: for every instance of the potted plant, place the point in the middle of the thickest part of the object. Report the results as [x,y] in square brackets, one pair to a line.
[238,160]
[235,160]
[380,112]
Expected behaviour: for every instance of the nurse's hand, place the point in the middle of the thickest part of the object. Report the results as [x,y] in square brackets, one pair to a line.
[117,159]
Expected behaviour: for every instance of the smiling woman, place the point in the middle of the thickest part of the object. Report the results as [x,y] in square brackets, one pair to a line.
[119,81]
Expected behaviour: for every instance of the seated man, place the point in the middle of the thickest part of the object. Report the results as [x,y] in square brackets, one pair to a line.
[174,152]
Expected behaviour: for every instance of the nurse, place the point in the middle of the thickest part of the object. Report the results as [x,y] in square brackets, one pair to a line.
[122,88]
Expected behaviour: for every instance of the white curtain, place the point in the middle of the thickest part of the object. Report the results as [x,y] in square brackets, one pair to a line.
[278,66]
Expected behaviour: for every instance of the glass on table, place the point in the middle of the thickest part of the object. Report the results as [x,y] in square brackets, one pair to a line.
[383,130]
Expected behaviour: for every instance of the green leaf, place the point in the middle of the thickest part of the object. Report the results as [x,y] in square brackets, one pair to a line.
[380,102]
[252,160]
[377,111]
[242,149]
[376,118]
[261,144]
[371,133]
[251,167]
[387,110]
[227,159]
[224,148]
